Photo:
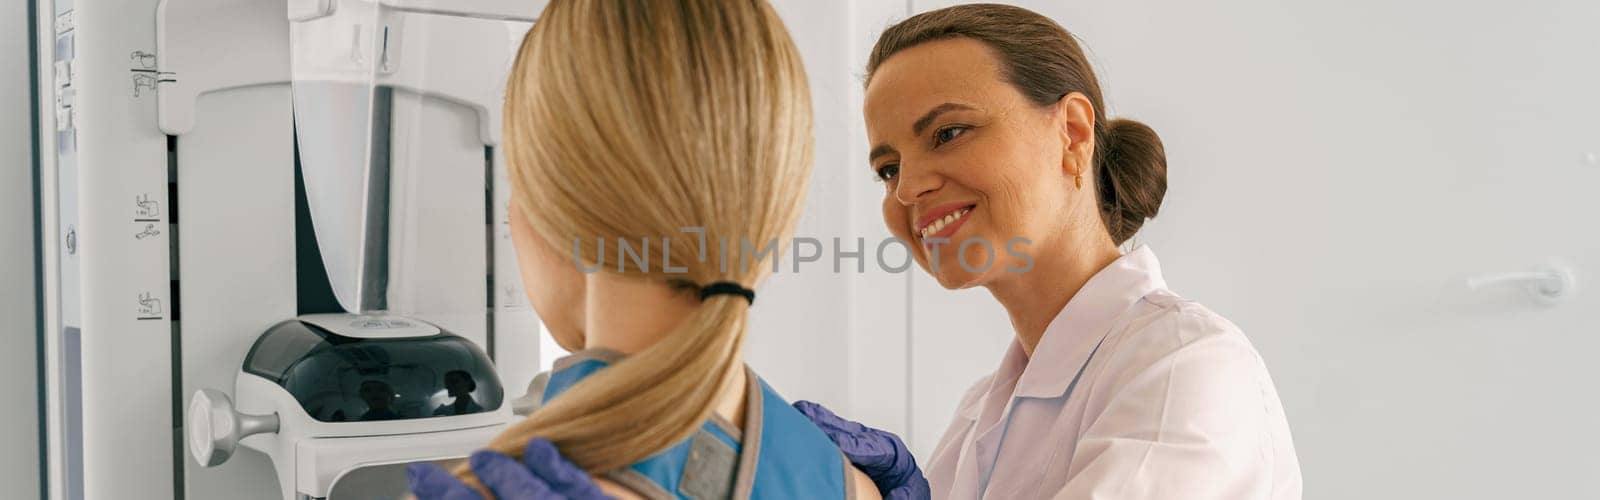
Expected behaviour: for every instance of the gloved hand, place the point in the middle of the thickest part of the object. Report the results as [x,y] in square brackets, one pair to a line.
[541,475]
[880,455]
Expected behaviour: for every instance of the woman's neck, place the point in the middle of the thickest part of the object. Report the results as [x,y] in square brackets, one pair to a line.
[1033,299]
[628,315]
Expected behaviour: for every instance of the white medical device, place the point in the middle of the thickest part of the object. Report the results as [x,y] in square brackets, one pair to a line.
[328,393]
[277,250]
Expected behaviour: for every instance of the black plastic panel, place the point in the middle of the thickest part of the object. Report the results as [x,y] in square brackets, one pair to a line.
[346,379]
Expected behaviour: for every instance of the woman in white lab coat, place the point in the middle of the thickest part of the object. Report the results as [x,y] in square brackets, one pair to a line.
[987,125]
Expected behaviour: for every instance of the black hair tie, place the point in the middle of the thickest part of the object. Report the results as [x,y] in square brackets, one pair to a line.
[728,288]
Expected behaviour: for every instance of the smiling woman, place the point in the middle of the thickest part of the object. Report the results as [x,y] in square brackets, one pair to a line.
[999,91]
[987,125]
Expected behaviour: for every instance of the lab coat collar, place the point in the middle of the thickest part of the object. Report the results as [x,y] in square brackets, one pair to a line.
[1077,330]
[1011,366]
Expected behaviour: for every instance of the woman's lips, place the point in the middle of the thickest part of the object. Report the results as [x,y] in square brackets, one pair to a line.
[946,226]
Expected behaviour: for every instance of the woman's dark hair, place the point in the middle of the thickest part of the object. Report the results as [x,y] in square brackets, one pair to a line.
[1044,62]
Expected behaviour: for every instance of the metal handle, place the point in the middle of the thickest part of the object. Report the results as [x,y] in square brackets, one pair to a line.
[215,429]
[1548,285]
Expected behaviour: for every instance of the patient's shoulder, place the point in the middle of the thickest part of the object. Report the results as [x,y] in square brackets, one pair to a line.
[860,486]
[616,490]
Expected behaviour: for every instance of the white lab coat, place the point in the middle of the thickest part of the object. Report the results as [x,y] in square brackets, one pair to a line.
[1173,403]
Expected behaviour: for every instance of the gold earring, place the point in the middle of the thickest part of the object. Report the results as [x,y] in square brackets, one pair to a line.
[1077,180]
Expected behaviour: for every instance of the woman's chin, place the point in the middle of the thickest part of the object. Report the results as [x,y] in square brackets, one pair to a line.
[973,268]
[954,277]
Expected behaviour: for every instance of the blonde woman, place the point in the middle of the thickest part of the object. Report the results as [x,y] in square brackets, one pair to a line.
[627,123]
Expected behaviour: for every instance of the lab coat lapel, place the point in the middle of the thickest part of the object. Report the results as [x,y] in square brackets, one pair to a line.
[1079,327]
[1062,351]
[985,416]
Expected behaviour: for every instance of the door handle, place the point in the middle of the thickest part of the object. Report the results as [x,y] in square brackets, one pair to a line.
[1549,285]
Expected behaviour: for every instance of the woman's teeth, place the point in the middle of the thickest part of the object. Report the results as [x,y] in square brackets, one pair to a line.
[939,225]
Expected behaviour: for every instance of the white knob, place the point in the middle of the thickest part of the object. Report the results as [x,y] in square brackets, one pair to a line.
[215,429]
[1549,285]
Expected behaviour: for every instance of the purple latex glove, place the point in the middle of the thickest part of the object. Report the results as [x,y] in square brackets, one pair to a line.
[541,475]
[880,455]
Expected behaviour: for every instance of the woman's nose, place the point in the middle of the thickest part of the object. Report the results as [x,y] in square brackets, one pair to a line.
[914,184]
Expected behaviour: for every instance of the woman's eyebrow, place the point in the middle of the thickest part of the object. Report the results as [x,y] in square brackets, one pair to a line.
[880,150]
[927,119]
[920,125]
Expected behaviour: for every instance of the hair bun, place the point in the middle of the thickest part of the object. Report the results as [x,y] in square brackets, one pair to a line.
[1132,177]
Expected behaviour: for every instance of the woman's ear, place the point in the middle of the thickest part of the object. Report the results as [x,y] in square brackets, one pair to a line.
[1074,118]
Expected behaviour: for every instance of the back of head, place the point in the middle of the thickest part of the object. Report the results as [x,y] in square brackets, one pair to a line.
[640,118]
[636,120]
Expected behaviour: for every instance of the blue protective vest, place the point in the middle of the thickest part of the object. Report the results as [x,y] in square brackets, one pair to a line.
[778,454]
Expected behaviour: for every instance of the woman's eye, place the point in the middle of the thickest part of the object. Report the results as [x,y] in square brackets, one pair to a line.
[948,134]
[888,172]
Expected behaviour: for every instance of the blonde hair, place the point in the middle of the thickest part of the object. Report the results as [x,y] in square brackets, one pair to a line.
[636,119]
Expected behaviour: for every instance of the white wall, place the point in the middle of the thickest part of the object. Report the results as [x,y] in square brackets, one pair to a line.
[1337,169]
[19,424]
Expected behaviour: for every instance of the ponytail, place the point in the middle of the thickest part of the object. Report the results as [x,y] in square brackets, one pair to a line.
[610,419]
